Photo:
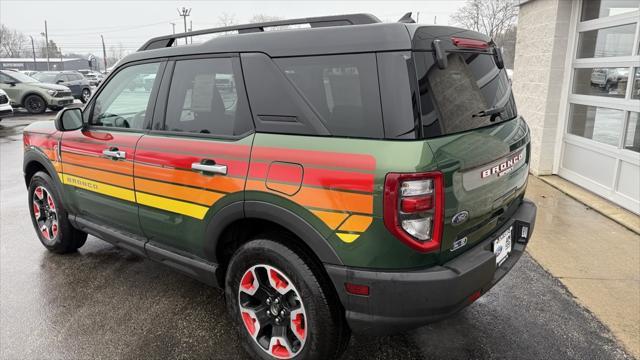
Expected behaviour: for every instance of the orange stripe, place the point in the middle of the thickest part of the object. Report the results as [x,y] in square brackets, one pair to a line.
[123,167]
[198,196]
[324,199]
[102,176]
[219,183]
[331,219]
[357,223]
[57,165]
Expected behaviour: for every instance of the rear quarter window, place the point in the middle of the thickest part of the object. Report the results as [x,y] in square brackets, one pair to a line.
[341,89]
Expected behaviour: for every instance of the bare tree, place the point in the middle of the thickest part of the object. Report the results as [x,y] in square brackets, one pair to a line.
[490,17]
[226,19]
[12,42]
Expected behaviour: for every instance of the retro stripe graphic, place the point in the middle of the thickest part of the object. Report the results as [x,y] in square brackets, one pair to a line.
[335,187]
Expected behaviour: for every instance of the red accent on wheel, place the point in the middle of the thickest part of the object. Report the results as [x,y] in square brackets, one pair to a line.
[249,322]
[54,230]
[45,232]
[36,210]
[247,280]
[298,322]
[38,192]
[52,205]
[279,281]
[279,350]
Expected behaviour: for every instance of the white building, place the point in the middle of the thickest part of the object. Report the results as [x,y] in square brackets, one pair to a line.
[577,83]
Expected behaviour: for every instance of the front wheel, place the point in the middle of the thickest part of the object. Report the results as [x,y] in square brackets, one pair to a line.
[282,308]
[35,104]
[49,217]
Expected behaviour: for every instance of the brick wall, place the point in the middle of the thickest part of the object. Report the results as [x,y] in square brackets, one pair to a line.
[539,67]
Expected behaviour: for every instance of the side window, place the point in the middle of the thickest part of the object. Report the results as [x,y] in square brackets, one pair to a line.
[5,79]
[124,100]
[206,97]
[343,89]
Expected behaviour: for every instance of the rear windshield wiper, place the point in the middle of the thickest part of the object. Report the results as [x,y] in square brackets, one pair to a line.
[493,112]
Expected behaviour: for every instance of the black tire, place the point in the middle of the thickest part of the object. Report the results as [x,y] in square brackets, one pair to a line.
[64,238]
[86,94]
[325,328]
[35,104]
[55,108]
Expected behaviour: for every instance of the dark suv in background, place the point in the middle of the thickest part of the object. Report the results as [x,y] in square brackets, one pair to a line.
[79,85]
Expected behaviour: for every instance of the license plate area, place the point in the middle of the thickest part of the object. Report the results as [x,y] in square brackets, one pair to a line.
[502,246]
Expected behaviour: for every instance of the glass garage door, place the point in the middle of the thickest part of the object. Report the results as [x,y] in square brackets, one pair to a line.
[601,145]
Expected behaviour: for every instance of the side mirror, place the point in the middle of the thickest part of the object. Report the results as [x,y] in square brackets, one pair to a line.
[69,119]
[11,83]
[59,81]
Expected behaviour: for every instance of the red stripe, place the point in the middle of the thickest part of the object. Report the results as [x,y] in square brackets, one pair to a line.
[204,148]
[310,157]
[234,167]
[284,172]
[330,179]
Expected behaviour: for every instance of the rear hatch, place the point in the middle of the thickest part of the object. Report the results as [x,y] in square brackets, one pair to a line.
[470,120]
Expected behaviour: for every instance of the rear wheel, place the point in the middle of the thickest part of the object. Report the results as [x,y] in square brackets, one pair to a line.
[49,217]
[282,308]
[35,104]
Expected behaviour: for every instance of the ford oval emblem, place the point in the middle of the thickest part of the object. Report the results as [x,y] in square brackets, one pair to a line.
[460,217]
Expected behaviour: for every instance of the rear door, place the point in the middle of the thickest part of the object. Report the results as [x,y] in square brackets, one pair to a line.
[97,161]
[480,143]
[195,160]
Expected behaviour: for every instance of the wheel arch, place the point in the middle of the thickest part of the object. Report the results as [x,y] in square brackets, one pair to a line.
[239,222]
[32,92]
[35,161]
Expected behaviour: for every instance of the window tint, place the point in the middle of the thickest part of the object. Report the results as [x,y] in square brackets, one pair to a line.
[124,100]
[207,97]
[343,90]
[452,100]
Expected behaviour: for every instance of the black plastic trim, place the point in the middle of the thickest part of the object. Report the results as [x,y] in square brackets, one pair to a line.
[129,242]
[198,269]
[33,155]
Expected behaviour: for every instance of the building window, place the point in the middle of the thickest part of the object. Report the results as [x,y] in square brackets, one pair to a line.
[635,91]
[607,42]
[632,139]
[610,82]
[594,9]
[596,123]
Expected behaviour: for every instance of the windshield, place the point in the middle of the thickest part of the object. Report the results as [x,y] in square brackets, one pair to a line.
[45,77]
[470,93]
[20,77]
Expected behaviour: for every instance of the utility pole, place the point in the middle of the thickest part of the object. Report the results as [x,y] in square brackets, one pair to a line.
[417,16]
[184,12]
[190,30]
[61,63]
[33,49]
[435,20]
[174,27]
[104,54]
[46,39]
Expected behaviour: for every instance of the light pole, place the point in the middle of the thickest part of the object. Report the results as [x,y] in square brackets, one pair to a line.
[33,49]
[184,12]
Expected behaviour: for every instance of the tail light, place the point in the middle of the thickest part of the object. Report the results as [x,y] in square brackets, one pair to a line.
[414,207]
[465,43]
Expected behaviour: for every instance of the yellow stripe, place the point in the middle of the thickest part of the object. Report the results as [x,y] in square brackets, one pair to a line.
[175,206]
[348,238]
[99,187]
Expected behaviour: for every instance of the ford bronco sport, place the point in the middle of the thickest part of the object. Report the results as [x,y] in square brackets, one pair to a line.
[354,176]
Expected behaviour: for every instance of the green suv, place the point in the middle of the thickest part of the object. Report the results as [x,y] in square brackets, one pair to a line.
[354,176]
[32,94]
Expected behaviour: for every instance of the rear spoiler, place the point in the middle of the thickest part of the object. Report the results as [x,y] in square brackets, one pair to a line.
[464,45]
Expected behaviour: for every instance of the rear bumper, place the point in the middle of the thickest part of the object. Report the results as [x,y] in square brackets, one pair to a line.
[403,300]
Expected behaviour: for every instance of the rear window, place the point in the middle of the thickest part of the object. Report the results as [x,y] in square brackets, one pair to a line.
[452,100]
[342,89]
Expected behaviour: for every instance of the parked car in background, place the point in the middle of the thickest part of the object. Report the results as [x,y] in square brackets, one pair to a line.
[33,95]
[5,105]
[95,78]
[79,85]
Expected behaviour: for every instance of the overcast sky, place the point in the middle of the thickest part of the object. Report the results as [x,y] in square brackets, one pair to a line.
[76,25]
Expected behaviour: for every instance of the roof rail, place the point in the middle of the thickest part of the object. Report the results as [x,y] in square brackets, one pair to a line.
[314,22]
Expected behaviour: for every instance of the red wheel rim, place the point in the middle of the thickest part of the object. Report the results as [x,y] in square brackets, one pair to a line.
[272,311]
[45,213]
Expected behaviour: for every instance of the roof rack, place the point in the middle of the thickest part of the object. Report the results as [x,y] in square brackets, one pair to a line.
[314,22]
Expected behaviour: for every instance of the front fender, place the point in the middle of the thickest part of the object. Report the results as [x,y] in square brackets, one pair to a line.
[34,156]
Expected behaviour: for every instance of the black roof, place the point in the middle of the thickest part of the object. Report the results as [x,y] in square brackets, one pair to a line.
[339,34]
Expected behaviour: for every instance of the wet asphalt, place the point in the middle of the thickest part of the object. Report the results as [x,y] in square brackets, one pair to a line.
[106,303]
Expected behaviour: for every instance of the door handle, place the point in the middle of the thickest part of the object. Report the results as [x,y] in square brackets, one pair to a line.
[212,167]
[114,154]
